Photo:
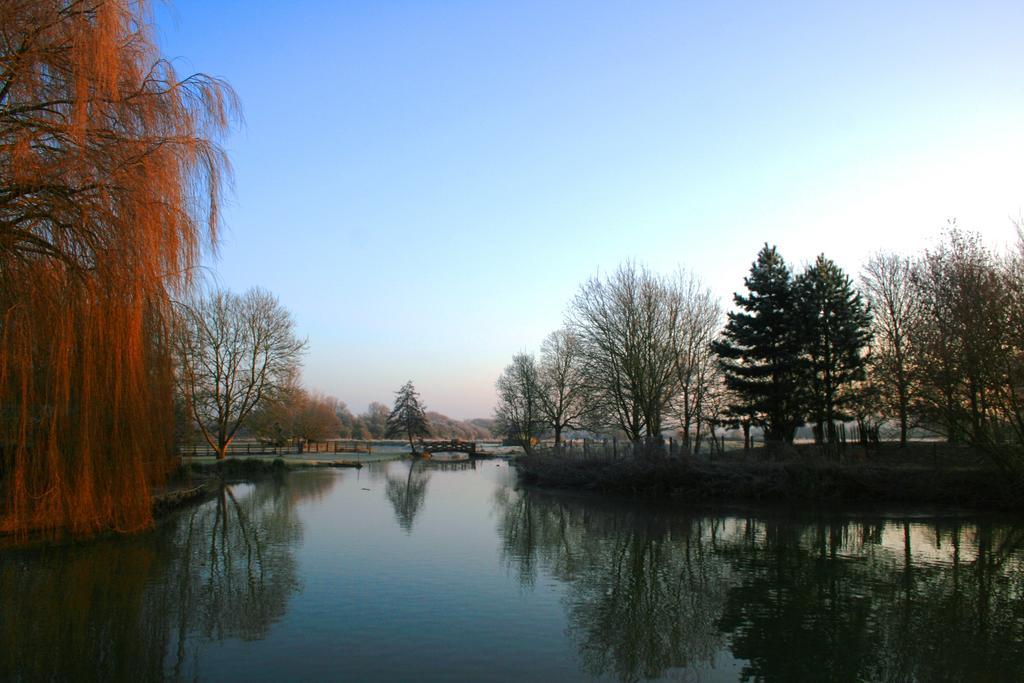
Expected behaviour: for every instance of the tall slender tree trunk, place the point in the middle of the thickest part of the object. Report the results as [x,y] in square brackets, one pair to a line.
[904,415]
[686,421]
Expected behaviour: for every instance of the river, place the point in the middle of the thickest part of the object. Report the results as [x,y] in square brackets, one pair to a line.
[443,572]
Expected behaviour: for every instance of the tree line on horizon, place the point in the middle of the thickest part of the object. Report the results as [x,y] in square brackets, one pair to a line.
[312,416]
[932,342]
[236,364]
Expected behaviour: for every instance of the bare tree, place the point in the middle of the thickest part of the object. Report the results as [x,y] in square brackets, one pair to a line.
[714,408]
[234,352]
[625,326]
[519,412]
[562,385]
[893,301]
[1008,399]
[960,339]
[697,318]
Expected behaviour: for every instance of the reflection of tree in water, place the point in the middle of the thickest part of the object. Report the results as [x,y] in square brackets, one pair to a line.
[650,591]
[642,598]
[136,608]
[407,494]
[831,602]
[80,613]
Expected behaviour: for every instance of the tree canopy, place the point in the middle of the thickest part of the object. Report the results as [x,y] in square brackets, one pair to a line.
[408,418]
[111,175]
[234,353]
[760,349]
[835,330]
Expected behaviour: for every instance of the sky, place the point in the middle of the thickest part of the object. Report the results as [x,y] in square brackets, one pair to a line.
[426,184]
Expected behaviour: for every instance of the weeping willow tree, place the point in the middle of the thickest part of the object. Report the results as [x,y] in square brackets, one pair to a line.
[110,179]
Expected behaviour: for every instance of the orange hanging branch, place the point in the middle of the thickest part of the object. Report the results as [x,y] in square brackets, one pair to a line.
[110,179]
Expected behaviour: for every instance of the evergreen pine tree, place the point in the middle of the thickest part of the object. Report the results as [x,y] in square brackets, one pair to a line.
[760,350]
[408,417]
[835,329]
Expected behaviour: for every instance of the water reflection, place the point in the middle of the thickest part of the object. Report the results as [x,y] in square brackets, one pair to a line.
[655,592]
[138,608]
[633,592]
[407,494]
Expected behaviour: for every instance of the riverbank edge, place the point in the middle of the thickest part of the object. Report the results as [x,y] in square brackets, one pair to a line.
[802,482]
[193,482]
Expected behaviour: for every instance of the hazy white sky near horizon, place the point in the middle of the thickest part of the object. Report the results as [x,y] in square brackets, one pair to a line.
[425,184]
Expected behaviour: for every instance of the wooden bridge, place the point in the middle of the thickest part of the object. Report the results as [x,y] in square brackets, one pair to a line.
[453,446]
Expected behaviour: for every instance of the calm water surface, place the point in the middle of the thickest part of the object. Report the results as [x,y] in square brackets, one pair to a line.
[423,572]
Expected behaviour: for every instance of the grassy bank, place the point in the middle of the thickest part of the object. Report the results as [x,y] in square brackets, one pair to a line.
[797,480]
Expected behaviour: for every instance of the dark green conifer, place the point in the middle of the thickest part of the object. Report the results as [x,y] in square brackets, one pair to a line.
[408,418]
[835,330]
[760,350]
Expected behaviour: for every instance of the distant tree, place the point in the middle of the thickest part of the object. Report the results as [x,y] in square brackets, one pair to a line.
[295,414]
[892,300]
[316,418]
[835,329]
[442,425]
[359,430]
[483,426]
[563,388]
[408,417]
[760,348]
[519,413]
[234,352]
[272,421]
[346,419]
[375,420]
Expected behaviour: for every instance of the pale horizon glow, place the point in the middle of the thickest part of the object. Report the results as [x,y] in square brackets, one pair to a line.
[425,185]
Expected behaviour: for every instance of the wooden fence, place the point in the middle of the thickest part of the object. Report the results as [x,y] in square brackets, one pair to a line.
[613,448]
[295,448]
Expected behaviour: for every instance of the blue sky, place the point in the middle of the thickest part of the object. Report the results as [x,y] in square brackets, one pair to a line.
[425,184]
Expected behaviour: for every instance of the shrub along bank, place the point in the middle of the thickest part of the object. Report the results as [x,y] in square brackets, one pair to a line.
[798,480]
